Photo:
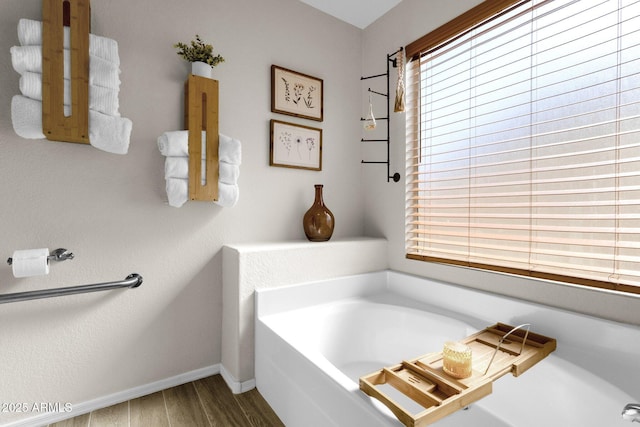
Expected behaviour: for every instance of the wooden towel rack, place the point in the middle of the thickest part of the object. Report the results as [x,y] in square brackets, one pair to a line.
[201,113]
[55,125]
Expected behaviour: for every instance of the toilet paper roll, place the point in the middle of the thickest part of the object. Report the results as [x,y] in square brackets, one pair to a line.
[30,262]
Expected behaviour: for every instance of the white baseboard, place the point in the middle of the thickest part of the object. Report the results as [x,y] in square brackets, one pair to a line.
[115,398]
[236,386]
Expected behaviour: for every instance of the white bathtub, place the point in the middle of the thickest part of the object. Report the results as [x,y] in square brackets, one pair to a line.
[314,340]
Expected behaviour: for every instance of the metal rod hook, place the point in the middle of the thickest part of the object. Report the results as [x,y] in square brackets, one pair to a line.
[528,325]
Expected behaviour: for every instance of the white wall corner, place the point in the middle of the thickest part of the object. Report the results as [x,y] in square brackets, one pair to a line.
[230,311]
[250,267]
[234,384]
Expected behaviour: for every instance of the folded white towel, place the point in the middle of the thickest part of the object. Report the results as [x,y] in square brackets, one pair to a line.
[101,72]
[178,167]
[176,144]
[106,133]
[109,133]
[101,99]
[30,33]
[178,193]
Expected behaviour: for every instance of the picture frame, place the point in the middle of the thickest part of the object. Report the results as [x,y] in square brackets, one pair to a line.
[295,146]
[296,94]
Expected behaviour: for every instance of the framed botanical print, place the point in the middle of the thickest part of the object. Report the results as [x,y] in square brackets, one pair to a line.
[296,94]
[295,146]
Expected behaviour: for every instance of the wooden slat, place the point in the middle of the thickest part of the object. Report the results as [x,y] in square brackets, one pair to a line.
[453,404]
[210,400]
[183,407]
[460,24]
[116,415]
[55,125]
[438,378]
[413,386]
[218,402]
[621,287]
[201,101]
[367,385]
[148,411]
[257,411]
[79,421]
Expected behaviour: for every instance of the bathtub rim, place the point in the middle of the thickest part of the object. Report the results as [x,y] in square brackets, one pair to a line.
[269,300]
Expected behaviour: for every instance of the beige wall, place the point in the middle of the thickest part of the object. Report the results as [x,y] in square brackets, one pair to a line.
[111,210]
[384,205]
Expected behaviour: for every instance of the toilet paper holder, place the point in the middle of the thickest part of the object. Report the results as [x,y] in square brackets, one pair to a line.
[59,254]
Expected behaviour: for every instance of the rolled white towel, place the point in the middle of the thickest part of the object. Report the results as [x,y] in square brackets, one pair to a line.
[30,34]
[228,195]
[27,58]
[176,144]
[178,167]
[101,99]
[178,193]
[101,72]
[230,150]
[106,133]
[26,117]
[228,173]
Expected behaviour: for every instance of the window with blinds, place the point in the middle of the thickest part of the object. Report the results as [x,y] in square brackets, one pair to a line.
[523,139]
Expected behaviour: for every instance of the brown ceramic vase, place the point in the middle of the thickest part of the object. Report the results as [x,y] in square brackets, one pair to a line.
[318,221]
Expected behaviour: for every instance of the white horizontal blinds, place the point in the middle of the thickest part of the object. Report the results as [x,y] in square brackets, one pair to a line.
[584,134]
[529,149]
[628,163]
[413,164]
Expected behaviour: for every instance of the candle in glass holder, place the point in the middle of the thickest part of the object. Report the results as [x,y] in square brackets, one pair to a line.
[456,360]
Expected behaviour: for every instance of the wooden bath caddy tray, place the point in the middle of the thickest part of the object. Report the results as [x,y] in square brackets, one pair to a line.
[439,394]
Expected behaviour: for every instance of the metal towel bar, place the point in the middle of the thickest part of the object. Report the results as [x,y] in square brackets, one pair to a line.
[131,281]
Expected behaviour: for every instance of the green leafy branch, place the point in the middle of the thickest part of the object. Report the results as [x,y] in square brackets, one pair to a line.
[198,50]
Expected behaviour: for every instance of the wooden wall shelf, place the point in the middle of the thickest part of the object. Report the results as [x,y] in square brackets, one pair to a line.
[55,125]
[201,113]
[424,381]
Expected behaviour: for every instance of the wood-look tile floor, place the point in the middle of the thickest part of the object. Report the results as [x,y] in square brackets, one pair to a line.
[207,402]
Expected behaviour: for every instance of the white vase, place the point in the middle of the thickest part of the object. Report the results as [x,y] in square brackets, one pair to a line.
[201,69]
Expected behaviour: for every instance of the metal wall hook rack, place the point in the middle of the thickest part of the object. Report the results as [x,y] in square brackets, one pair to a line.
[391,59]
[362,119]
[378,93]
